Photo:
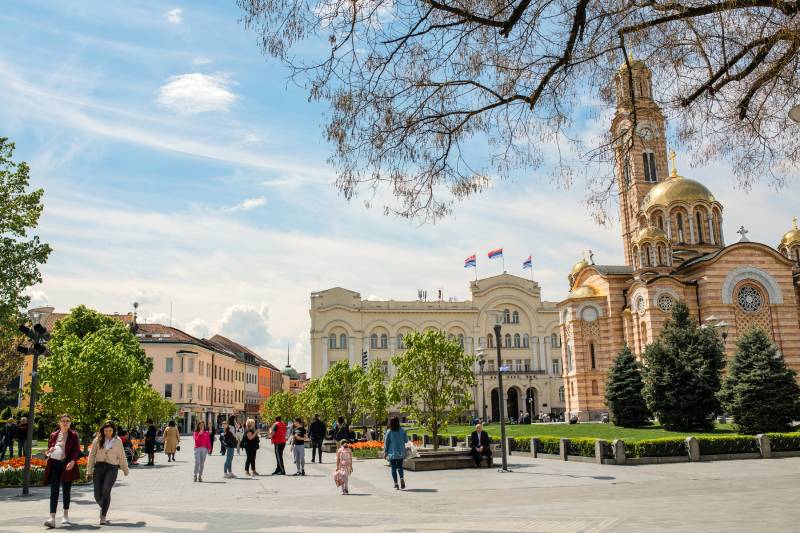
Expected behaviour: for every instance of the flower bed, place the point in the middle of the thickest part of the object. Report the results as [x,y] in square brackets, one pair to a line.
[371,449]
[13,471]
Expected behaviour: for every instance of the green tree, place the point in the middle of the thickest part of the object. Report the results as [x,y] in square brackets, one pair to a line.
[340,390]
[310,402]
[434,380]
[624,392]
[279,404]
[374,395]
[145,402]
[683,373]
[760,392]
[94,366]
[20,254]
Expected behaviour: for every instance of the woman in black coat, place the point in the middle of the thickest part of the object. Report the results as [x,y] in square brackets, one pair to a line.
[150,443]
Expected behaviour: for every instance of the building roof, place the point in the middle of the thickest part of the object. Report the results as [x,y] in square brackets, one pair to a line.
[676,189]
[240,351]
[613,270]
[166,334]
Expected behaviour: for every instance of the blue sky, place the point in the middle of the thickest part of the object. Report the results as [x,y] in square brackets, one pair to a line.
[182,169]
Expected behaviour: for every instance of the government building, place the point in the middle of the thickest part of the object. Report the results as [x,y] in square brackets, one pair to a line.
[345,327]
[674,249]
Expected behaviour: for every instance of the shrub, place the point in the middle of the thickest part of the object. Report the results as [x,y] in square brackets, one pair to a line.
[624,392]
[666,447]
[549,445]
[727,444]
[582,447]
[521,444]
[784,442]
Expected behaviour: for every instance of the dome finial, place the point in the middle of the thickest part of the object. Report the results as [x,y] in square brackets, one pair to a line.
[672,157]
[794,223]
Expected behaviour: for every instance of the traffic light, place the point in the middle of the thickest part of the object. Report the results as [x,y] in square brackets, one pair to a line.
[38,335]
[364,359]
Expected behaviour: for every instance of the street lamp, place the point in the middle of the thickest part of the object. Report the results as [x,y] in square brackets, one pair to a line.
[498,321]
[481,362]
[530,397]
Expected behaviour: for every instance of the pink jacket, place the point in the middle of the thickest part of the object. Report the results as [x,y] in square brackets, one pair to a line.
[202,440]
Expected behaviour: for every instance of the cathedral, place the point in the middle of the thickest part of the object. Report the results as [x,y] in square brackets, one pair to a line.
[674,249]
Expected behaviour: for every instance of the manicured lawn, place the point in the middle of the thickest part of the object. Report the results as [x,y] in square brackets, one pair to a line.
[595,430]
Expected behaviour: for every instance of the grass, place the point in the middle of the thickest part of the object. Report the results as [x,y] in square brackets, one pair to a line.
[592,430]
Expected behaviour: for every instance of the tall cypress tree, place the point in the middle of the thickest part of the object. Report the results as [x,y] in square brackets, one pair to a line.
[682,373]
[624,392]
[760,392]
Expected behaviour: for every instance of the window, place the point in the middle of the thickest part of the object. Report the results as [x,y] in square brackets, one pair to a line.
[168,390]
[332,342]
[342,341]
[518,365]
[750,299]
[506,316]
[557,367]
[591,354]
[200,366]
[665,303]
[589,314]
[660,222]
[626,172]
[699,220]
[649,160]
[595,387]
[400,344]
[490,341]
[180,391]
[679,221]
[168,368]
[527,365]
[508,340]
[526,342]
[555,341]
[491,365]
[561,394]
[373,341]
[199,393]
[641,305]
[517,341]
[191,366]
[384,341]
[515,317]
[461,340]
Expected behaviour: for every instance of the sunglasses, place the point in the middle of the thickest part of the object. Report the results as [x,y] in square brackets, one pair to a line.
[66,421]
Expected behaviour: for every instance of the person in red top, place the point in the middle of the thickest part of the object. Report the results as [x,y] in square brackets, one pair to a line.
[63,452]
[202,447]
[277,433]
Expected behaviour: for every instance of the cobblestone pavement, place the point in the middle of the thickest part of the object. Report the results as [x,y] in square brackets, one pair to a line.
[539,495]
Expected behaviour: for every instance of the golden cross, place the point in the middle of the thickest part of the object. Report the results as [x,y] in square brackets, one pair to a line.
[794,223]
[672,157]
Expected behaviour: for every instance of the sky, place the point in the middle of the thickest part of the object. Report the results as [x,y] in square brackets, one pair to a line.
[183,171]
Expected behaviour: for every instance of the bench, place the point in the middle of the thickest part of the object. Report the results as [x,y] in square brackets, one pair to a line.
[443,459]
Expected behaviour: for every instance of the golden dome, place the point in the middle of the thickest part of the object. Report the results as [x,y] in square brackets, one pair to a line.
[651,233]
[584,291]
[793,236]
[676,189]
[577,267]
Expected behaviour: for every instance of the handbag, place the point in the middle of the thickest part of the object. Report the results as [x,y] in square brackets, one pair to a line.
[411,451]
[178,448]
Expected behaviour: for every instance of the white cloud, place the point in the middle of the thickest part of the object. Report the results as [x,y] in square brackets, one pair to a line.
[188,94]
[250,203]
[247,325]
[38,298]
[202,61]
[198,328]
[174,16]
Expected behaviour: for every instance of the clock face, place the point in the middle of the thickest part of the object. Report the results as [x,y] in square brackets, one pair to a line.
[646,133]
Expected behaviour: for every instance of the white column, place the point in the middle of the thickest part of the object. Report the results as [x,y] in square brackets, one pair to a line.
[543,354]
[532,346]
[325,360]
[691,228]
[713,239]
[351,344]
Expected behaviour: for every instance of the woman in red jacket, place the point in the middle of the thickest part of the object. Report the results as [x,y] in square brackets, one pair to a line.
[63,452]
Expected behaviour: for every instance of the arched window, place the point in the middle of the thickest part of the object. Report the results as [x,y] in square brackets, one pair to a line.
[591,354]
[679,222]
[595,387]
[461,340]
[797,254]
[555,341]
[526,343]
[332,341]
[660,222]
[517,341]
[699,218]
[490,341]
[373,341]
[515,317]
[626,171]
[400,344]
[649,161]
[384,341]
[506,316]
[343,341]
[561,394]
[508,340]
[635,257]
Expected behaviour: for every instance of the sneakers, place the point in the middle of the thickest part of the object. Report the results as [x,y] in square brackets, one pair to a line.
[256,473]
[65,522]
[104,521]
[195,478]
[199,479]
[247,472]
[402,483]
[396,486]
[302,472]
[50,523]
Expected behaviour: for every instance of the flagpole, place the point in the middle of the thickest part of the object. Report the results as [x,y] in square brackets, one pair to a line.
[475,268]
[503,257]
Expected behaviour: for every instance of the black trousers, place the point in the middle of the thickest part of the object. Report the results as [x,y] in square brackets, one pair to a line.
[279,457]
[56,469]
[476,455]
[316,444]
[105,475]
[250,462]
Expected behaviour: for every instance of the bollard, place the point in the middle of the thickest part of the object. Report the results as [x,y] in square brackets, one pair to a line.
[618,447]
[534,447]
[453,441]
[563,449]
[426,440]
[693,449]
[599,450]
[764,445]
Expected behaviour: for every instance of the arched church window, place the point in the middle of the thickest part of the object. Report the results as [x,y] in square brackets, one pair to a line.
[626,171]
[679,221]
[343,341]
[749,299]
[373,341]
[660,222]
[592,355]
[797,254]
[515,317]
[517,341]
[490,341]
[508,340]
[649,161]
[332,341]
[699,219]
[384,341]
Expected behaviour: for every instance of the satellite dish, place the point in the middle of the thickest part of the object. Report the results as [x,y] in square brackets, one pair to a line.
[794,113]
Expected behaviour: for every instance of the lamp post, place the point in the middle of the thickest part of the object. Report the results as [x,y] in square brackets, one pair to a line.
[481,362]
[530,397]
[498,320]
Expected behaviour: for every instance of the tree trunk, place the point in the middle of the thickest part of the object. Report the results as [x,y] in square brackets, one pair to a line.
[435,436]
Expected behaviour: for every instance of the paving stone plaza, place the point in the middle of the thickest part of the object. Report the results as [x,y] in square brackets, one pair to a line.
[539,495]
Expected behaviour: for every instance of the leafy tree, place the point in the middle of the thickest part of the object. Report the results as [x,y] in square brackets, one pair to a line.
[279,404]
[434,379]
[94,366]
[340,390]
[20,254]
[683,373]
[412,84]
[374,395]
[760,392]
[145,402]
[624,392]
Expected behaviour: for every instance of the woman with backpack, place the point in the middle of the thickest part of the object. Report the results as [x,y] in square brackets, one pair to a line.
[250,443]
[394,449]
[229,437]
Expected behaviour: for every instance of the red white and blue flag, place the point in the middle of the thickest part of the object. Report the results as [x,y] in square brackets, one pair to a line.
[470,262]
[528,263]
[496,253]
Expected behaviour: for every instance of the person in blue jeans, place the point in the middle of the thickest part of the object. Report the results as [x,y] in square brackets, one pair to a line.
[229,438]
[394,449]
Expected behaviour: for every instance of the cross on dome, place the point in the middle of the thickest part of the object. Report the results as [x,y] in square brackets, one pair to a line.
[743,232]
[672,157]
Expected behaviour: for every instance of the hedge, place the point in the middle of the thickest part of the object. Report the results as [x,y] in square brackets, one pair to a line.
[521,444]
[582,447]
[727,444]
[664,447]
[784,442]
[551,445]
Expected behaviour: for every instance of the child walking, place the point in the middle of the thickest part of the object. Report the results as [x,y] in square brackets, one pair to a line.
[344,466]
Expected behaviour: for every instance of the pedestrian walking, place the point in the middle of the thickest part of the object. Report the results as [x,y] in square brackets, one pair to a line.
[63,451]
[239,437]
[250,442]
[106,457]
[171,440]
[277,434]
[22,435]
[222,439]
[394,449]
[317,431]
[344,466]
[7,435]
[299,438]
[230,446]
[202,447]
[212,433]
[150,442]
[342,430]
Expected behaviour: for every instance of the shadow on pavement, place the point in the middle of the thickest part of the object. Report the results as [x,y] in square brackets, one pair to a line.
[127,524]
[421,490]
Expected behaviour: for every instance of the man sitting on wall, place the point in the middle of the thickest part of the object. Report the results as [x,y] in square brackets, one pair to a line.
[480,446]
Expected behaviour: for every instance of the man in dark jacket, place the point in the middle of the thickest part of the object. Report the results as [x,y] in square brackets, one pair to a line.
[22,434]
[317,431]
[480,445]
[7,435]
[342,430]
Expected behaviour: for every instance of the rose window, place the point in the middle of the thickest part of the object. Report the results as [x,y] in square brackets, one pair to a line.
[750,300]
[640,305]
[665,303]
